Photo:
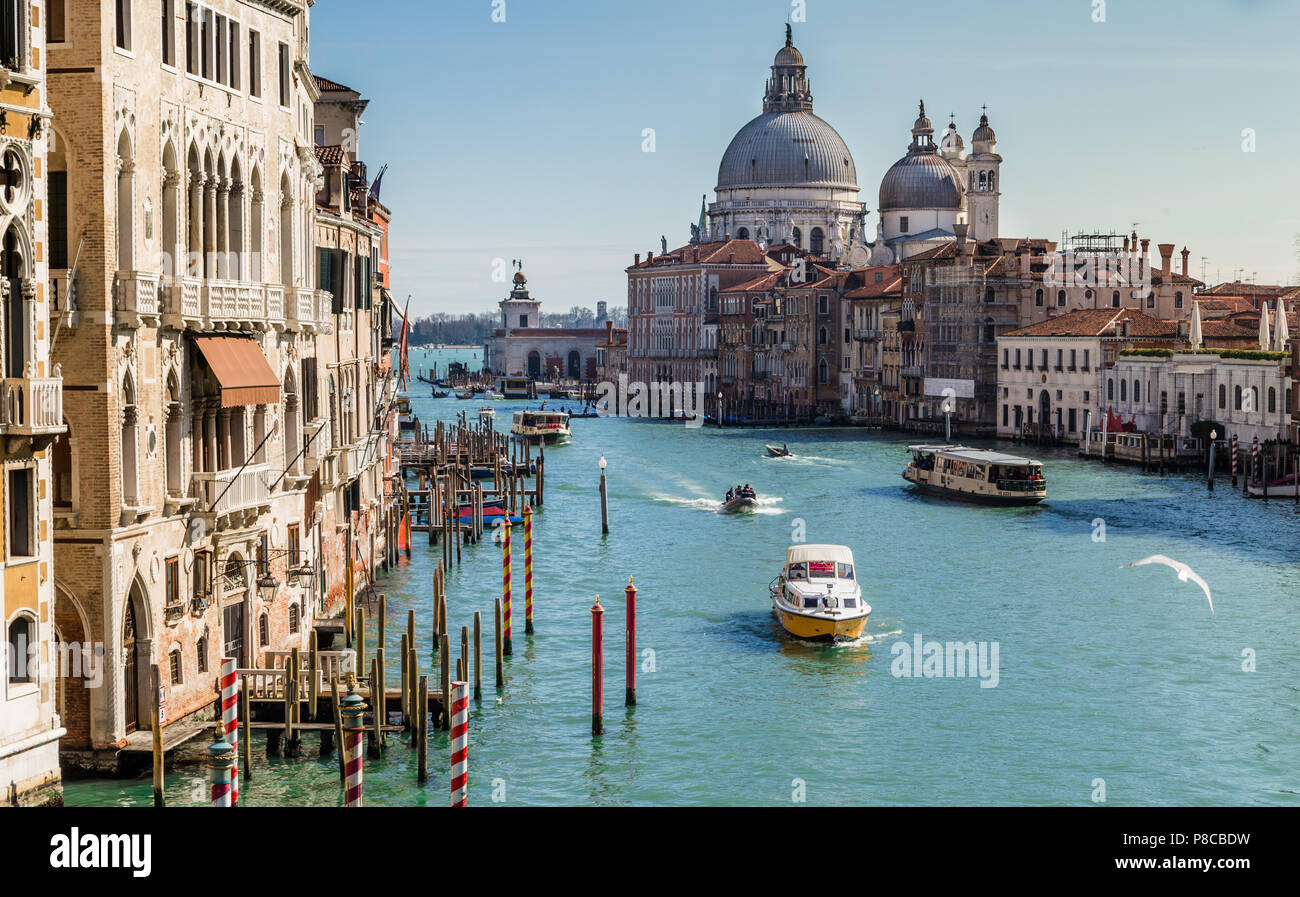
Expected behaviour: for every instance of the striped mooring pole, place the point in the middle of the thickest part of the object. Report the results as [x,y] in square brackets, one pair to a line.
[1254,458]
[630,641]
[505,584]
[597,669]
[230,718]
[352,708]
[459,743]
[221,762]
[528,569]
[1234,460]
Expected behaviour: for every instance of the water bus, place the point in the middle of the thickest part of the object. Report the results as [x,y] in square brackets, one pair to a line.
[514,387]
[541,426]
[977,475]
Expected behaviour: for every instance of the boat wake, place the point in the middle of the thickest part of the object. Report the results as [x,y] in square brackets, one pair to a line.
[767,504]
[861,641]
[816,460]
[698,504]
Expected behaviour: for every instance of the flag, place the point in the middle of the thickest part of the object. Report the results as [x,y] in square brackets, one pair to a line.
[377,183]
[403,356]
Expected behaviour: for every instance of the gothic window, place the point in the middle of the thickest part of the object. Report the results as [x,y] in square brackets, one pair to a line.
[21,635]
[815,241]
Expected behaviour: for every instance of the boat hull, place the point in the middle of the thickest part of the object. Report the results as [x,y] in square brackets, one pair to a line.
[738,504]
[818,627]
[976,497]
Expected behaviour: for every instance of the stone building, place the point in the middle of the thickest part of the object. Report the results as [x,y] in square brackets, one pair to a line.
[205,450]
[522,347]
[34,648]
[872,299]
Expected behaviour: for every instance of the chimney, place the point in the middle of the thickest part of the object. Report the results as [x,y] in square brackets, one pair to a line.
[1185,255]
[731,258]
[636,259]
[960,230]
[1142,259]
[649,257]
[1166,259]
[609,331]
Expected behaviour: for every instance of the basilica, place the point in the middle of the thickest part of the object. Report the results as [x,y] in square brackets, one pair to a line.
[787,177]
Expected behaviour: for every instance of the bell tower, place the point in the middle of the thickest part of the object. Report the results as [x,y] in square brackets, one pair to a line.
[984,182]
[788,89]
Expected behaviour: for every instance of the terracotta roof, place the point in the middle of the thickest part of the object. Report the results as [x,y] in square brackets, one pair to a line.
[760,284]
[329,155]
[325,85]
[746,252]
[1240,288]
[864,285]
[1098,322]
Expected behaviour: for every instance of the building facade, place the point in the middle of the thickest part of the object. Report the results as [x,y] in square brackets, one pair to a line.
[31,417]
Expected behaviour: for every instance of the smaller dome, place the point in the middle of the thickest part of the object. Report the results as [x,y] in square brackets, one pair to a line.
[788,55]
[984,134]
[951,145]
[920,181]
[922,124]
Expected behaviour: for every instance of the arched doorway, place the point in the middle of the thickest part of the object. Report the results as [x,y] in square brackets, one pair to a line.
[130,669]
[1044,412]
[534,364]
[575,365]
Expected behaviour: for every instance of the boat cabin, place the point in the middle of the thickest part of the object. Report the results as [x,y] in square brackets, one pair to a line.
[810,569]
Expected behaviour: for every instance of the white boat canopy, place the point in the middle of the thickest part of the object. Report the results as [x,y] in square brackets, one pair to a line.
[800,554]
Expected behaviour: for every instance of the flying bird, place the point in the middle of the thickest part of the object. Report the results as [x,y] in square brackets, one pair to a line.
[1184,573]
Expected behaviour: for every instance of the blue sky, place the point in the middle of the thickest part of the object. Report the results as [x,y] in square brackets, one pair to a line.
[522,139]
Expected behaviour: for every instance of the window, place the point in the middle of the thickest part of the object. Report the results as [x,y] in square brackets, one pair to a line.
[22,635]
[294,619]
[1042,360]
[293,544]
[234,56]
[56,24]
[262,555]
[1060,359]
[12,30]
[174,664]
[1151,300]
[320,135]
[1137,391]
[1223,396]
[1073,421]
[1005,411]
[206,27]
[1236,398]
[1182,403]
[254,64]
[123,24]
[1086,362]
[191,40]
[21,506]
[1178,300]
[201,585]
[1017,364]
[1006,354]
[902,224]
[284,75]
[1164,399]
[1060,297]
[1110,390]
[1272,400]
[1038,297]
[173,581]
[201,648]
[168,32]
[1072,364]
[1123,390]
[815,241]
[263,630]
[823,304]
[1114,299]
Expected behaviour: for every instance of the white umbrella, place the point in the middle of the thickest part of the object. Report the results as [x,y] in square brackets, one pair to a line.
[1265,343]
[1281,333]
[1196,325]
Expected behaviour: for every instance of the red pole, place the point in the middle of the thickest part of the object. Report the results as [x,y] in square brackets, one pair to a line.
[597,669]
[630,641]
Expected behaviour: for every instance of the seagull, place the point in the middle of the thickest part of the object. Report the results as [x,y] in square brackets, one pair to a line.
[1184,573]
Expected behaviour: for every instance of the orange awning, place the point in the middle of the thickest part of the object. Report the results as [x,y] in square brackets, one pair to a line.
[241,369]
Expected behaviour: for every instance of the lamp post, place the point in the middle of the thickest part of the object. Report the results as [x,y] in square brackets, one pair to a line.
[604,500]
[719,410]
[1214,434]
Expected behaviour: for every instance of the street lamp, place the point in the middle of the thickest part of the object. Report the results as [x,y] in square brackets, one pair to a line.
[1214,434]
[719,409]
[266,586]
[604,500]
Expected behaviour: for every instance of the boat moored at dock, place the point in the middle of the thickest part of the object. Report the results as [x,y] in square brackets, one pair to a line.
[817,597]
[976,475]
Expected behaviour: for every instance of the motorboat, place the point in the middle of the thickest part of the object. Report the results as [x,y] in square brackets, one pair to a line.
[492,396]
[541,426]
[486,414]
[778,451]
[816,596]
[739,501]
[976,475]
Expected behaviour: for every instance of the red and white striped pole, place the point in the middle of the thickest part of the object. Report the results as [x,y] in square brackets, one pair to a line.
[1254,457]
[352,710]
[630,641]
[221,761]
[597,669]
[1234,460]
[230,719]
[459,744]
[528,569]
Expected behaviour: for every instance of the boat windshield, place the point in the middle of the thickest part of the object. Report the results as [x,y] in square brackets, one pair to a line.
[821,569]
[846,571]
[798,572]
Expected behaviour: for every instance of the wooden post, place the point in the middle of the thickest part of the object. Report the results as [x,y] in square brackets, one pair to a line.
[630,641]
[413,671]
[422,770]
[446,681]
[505,586]
[597,669]
[376,703]
[501,676]
[360,641]
[464,653]
[528,569]
[478,657]
[313,683]
[159,798]
[293,735]
[379,698]
[406,718]
[245,736]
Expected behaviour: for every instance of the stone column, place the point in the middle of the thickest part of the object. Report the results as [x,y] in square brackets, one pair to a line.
[223,427]
[210,438]
[223,229]
[210,228]
[194,257]
[172,266]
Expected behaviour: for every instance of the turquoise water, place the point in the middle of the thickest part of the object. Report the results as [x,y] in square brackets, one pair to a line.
[1104,673]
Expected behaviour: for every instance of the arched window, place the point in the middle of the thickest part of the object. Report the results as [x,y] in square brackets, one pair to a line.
[1178,299]
[175,667]
[1038,297]
[22,635]
[815,241]
[993,180]
[125,204]
[742,234]
[286,233]
[1272,400]
[984,180]
[294,619]
[1123,390]
[1254,399]
[1223,396]
[130,441]
[823,371]
[201,649]
[1236,398]
[1060,297]
[798,238]
[1137,390]
[174,411]
[1114,299]
[263,631]
[15,261]
[1110,389]
[1151,300]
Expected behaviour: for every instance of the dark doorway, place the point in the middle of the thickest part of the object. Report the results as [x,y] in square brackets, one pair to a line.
[575,365]
[1044,411]
[131,698]
[232,630]
[534,364]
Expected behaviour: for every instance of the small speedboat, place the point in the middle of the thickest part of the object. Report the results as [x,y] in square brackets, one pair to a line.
[816,595]
[486,413]
[493,396]
[739,502]
[778,451]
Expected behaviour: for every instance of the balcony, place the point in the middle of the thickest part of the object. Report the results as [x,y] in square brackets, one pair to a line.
[136,301]
[31,406]
[228,492]
[867,333]
[205,304]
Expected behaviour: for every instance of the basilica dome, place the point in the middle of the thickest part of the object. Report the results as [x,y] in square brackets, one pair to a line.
[920,181]
[787,149]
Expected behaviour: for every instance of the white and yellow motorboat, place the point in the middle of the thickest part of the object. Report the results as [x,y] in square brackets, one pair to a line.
[817,596]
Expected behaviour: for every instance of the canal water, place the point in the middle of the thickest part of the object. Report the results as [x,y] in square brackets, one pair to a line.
[1109,681]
